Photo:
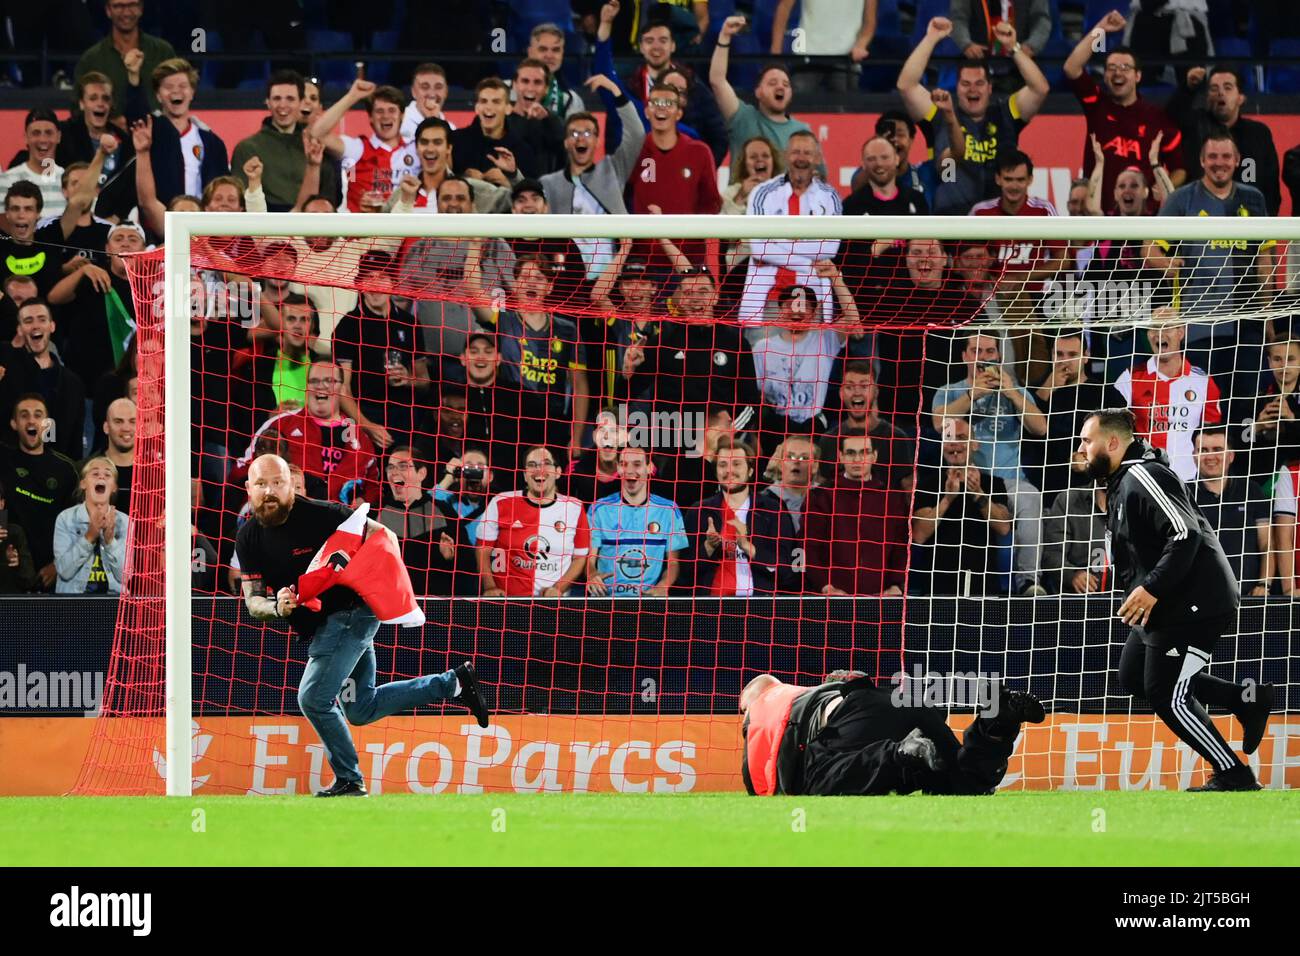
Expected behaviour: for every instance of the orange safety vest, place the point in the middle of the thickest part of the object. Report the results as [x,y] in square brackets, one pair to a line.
[768,717]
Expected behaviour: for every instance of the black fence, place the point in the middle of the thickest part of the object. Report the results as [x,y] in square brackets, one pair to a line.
[667,656]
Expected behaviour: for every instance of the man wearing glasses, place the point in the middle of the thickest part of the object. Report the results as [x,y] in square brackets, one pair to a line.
[1124,123]
[533,543]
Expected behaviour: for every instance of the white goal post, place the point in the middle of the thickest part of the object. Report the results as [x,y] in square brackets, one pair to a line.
[181,227]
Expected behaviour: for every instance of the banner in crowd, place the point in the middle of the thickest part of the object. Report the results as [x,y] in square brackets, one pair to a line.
[628,754]
[1055,142]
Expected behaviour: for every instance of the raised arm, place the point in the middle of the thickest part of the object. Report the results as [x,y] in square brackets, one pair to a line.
[84,198]
[314,151]
[780,19]
[728,102]
[1097,177]
[152,210]
[324,125]
[915,96]
[866,32]
[1092,42]
[848,324]
[1029,98]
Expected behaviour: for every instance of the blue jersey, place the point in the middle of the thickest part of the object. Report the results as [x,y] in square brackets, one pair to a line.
[631,542]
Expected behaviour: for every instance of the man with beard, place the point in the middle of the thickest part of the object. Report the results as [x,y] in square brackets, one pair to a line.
[880,194]
[857,527]
[438,561]
[334,453]
[1224,98]
[1180,597]
[1124,123]
[781,263]
[274,550]
[771,118]
[39,479]
[977,126]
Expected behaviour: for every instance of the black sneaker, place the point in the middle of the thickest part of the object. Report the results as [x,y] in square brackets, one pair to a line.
[918,751]
[469,695]
[344,788]
[1239,777]
[1021,707]
[1255,722]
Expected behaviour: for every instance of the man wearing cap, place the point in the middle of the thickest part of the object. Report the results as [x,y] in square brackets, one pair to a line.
[528,198]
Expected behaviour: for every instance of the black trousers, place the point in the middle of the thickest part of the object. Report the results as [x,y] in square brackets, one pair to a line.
[1167,667]
[856,753]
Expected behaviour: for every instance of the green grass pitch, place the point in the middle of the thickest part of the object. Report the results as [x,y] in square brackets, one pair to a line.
[1035,828]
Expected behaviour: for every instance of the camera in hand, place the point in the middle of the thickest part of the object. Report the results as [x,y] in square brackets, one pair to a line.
[469,474]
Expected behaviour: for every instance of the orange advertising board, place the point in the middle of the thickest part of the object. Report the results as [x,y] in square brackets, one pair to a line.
[538,753]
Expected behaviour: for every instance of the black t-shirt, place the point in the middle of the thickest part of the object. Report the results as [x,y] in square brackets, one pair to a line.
[1065,410]
[86,241]
[906,202]
[122,501]
[1263,452]
[961,540]
[370,343]
[37,488]
[40,261]
[274,558]
[85,342]
[1235,517]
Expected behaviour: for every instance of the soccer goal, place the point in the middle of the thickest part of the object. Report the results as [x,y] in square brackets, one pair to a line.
[635,461]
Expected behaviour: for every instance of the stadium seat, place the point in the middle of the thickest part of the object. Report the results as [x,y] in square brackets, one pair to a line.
[1095,10]
[889,42]
[927,10]
[1284,79]
[339,72]
[1222,23]
[1058,47]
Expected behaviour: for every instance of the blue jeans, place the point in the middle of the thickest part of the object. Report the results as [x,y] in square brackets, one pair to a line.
[344,649]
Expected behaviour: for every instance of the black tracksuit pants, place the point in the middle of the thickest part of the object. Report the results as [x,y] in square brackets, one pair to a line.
[856,753]
[1168,667]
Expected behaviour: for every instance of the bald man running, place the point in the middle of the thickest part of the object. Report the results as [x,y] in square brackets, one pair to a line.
[851,738]
[274,549]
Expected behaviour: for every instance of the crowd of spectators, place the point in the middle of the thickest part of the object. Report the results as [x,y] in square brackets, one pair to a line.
[653,417]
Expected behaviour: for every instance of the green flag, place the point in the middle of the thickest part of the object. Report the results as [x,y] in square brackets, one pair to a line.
[120,324]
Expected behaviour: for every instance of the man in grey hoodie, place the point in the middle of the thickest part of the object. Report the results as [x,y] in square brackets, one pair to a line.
[1074,542]
[587,186]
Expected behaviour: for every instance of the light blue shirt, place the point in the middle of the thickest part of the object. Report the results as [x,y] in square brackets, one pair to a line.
[995,423]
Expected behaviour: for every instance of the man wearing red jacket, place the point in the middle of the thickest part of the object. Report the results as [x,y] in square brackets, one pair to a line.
[849,737]
[857,528]
[334,453]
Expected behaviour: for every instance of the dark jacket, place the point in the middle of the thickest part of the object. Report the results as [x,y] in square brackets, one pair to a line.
[1159,540]
[22,578]
[76,146]
[1254,140]
[23,375]
[778,546]
[165,154]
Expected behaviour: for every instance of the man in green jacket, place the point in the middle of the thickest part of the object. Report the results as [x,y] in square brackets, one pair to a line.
[125,39]
[279,145]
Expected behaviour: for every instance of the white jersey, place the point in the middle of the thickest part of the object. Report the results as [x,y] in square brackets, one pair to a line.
[777,197]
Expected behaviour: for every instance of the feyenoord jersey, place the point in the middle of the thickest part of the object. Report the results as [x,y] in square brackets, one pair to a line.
[631,542]
[533,544]
[1018,255]
[372,166]
[1169,410]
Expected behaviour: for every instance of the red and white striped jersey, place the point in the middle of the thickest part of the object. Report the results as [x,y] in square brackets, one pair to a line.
[1021,255]
[1169,410]
[371,165]
[533,544]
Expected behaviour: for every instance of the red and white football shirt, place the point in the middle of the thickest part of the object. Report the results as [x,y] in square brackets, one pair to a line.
[371,165]
[1169,410]
[536,543]
[1016,255]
